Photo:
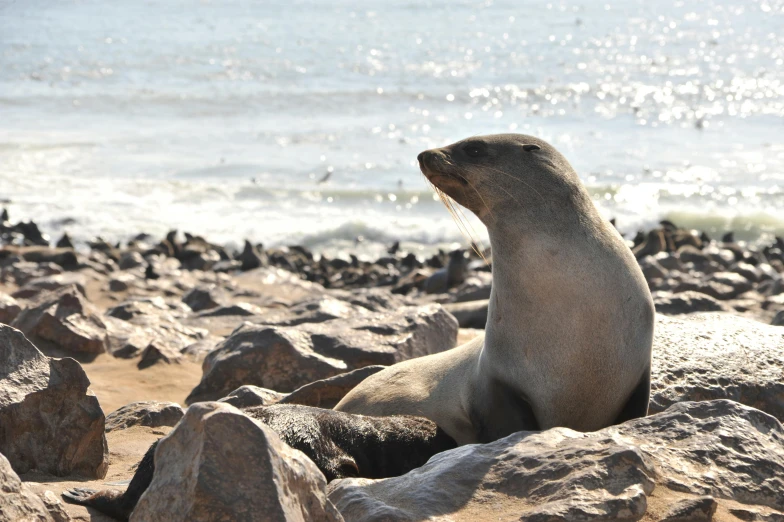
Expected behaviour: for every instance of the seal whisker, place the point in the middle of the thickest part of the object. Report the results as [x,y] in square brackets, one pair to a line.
[486,167]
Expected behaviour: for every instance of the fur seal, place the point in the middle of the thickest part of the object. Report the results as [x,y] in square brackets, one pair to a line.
[570,318]
[341,445]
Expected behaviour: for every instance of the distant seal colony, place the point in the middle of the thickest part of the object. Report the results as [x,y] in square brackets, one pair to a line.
[570,319]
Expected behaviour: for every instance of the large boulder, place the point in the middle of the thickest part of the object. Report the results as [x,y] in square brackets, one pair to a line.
[281,359]
[285,358]
[48,420]
[65,319]
[721,449]
[153,414]
[718,356]
[219,464]
[17,502]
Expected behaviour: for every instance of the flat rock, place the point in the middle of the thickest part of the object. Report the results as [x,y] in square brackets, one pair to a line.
[326,393]
[153,414]
[219,464]
[469,314]
[561,474]
[202,298]
[49,420]
[687,302]
[248,396]
[17,502]
[718,356]
[65,319]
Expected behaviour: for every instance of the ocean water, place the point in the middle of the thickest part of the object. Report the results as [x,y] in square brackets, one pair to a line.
[221,117]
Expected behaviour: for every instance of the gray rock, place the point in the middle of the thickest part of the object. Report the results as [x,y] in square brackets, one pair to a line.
[233,310]
[385,338]
[285,358]
[606,475]
[17,502]
[686,303]
[470,314]
[129,260]
[326,393]
[248,396]
[134,325]
[717,356]
[122,282]
[270,357]
[669,261]
[67,320]
[651,268]
[49,421]
[153,414]
[9,308]
[201,298]
[156,352]
[700,509]
[39,285]
[779,319]
[54,507]
[219,464]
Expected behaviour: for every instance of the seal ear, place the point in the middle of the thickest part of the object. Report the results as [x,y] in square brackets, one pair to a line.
[346,467]
[531,147]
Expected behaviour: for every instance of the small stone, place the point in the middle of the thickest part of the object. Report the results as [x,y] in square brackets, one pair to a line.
[158,352]
[153,414]
[248,396]
[200,299]
[692,510]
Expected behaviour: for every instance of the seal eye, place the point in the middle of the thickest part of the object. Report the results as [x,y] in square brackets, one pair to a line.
[475,150]
[531,148]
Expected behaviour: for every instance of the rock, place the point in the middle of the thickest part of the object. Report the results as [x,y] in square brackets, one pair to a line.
[248,396]
[136,324]
[21,272]
[699,509]
[686,303]
[200,299]
[17,502]
[153,414]
[65,319]
[651,268]
[159,352]
[219,464]
[318,310]
[717,356]
[470,314]
[326,393]
[49,421]
[668,261]
[277,358]
[9,308]
[234,310]
[38,285]
[561,474]
[64,257]
[54,507]
[713,288]
[285,358]
[385,338]
[122,282]
[779,319]
[130,260]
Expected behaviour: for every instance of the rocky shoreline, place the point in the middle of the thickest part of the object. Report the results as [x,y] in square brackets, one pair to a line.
[90,338]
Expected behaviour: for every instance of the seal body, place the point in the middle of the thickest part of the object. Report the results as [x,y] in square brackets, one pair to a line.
[570,318]
[341,445]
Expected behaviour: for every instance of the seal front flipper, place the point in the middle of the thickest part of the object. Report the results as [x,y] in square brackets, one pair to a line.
[113,503]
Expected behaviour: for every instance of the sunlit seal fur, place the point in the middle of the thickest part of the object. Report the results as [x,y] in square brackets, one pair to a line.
[570,320]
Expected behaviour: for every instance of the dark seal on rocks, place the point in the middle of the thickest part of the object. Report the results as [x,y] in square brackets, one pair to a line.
[340,444]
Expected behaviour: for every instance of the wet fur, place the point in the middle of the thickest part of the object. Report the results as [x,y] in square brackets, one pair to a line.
[340,444]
